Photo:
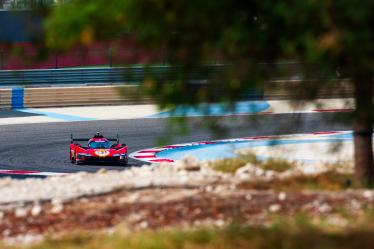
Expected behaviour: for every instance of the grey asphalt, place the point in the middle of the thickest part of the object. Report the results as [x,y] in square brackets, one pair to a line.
[45,147]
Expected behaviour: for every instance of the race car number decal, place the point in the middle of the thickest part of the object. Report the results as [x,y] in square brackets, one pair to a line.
[102,153]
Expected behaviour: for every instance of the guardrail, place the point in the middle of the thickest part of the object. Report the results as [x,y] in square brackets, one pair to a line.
[18,98]
[84,86]
[100,75]
[119,85]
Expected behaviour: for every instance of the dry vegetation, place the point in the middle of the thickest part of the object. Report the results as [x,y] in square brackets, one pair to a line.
[231,165]
[292,234]
[250,209]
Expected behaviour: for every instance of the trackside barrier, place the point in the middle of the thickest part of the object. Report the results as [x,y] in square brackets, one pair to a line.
[86,86]
[96,86]
[130,94]
[71,96]
[100,75]
[5,98]
[17,97]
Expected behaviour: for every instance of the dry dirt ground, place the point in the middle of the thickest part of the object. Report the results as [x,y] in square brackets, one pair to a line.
[186,207]
[186,195]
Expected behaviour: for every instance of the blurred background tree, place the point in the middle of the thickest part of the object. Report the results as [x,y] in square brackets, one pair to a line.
[337,36]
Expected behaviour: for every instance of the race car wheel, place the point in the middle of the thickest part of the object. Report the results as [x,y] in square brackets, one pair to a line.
[72,159]
[75,161]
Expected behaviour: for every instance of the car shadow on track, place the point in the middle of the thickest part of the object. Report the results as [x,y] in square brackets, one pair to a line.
[131,163]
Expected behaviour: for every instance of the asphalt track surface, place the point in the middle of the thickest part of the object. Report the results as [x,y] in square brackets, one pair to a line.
[45,147]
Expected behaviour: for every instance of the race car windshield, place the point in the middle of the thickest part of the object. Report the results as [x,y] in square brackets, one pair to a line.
[99,145]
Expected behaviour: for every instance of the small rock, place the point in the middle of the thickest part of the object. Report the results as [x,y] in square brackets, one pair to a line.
[188,163]
[246,171]
[368,194]
[143,225]
[209,188]
[56,201]
[21,212]
[259,172]
[269,174]
[6,232]
[132,198]
[220,223]
[274,208]
[248,197]
[355,204]
[282,196]
[36,210]
[324,208]
[84,200]
[102,171]
[57,208]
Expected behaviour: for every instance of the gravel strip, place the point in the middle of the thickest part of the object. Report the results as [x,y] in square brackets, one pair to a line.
[71,186]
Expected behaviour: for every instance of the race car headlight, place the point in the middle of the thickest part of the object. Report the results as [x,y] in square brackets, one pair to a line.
[81,155]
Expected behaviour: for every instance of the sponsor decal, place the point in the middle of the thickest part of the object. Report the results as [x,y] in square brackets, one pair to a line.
[102,152]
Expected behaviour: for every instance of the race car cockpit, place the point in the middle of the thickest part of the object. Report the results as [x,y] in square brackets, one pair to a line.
[99,145]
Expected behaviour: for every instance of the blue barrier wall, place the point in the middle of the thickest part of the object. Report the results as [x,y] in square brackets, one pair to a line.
[17,97]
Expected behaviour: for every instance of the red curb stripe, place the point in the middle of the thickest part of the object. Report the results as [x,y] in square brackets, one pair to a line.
[150,156]
[147,151]
[324,132]
[172,146]
[207,142]
[162,161]
[18,172]
[262,137]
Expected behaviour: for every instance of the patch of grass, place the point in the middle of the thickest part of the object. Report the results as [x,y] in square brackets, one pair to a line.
[329,180]
[297,233]
[230,165]
[276,164]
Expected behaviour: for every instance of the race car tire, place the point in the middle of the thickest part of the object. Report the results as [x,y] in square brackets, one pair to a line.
[75,161]
[72,159]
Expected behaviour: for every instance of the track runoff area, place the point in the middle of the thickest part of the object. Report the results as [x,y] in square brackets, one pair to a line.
[35,142]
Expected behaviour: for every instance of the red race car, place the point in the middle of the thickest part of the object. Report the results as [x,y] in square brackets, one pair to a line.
[98,150]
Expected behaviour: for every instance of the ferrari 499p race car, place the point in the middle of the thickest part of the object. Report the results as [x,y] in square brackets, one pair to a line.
[98,150]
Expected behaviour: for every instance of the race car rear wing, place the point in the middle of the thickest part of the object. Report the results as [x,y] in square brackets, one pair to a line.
[72,139]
